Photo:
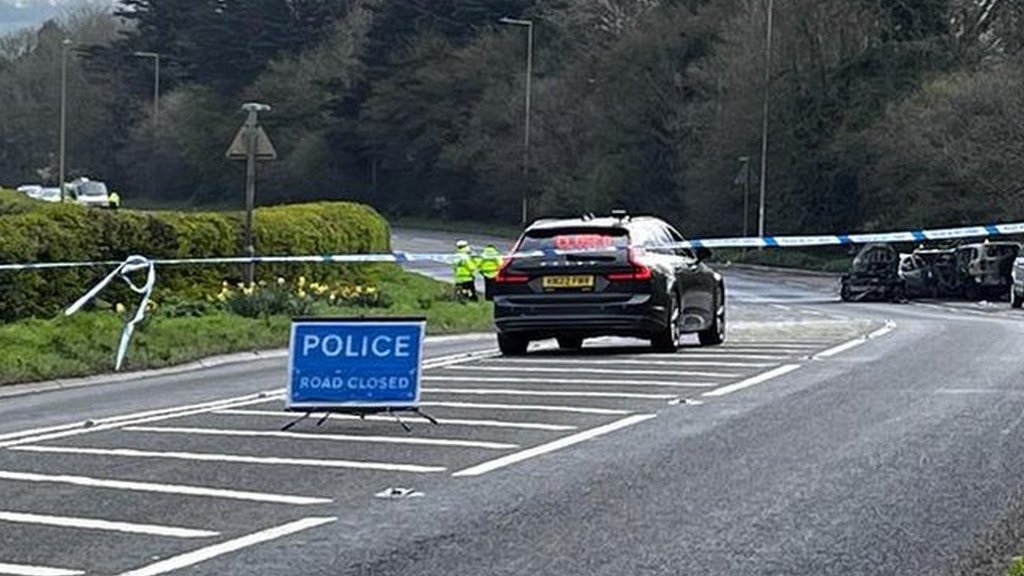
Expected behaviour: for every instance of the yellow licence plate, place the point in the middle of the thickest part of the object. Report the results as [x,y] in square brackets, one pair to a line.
[556,282]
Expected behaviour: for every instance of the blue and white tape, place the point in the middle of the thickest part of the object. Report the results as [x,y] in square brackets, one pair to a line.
[139,263]
[914,236]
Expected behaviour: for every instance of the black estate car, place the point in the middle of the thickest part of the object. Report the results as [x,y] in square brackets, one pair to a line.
[579,278]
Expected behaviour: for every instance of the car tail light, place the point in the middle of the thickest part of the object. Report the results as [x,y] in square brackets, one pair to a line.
[639,272]
[504,277]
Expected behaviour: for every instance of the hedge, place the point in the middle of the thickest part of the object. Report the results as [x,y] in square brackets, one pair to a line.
[54,232]
[14,202]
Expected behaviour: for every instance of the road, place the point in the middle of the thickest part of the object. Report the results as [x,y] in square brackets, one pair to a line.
[823,438]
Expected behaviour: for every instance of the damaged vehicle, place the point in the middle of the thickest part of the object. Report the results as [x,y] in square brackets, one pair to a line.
[986,268]
[931,273]
[874,275]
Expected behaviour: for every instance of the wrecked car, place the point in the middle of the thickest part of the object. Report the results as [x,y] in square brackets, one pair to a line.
[874,275]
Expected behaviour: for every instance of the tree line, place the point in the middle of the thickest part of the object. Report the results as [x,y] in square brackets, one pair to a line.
[881,113]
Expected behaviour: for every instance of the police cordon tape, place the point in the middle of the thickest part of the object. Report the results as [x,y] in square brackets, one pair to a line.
[981,231]
[136,263]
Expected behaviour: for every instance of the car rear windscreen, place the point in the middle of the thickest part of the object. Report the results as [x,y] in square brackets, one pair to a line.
[575,239]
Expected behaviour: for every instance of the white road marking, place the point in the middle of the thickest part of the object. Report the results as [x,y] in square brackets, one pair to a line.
[150,487]
[782,307]
[203,554]
[547,393]
[633,361]
[754,381]
[105,525]
[407,440]
[99,422]
[889,327]
[391,419]
[588,382]
[527,407]
[709,355]
[557,370]
[583,436]
[121,422]
[27,570]
[234,458]
[797,344]
[451,360]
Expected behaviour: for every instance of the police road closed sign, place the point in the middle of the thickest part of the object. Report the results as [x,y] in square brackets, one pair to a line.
[355,363]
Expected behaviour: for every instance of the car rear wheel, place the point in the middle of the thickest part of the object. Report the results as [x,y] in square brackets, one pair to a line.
[668,339]
[512,344]
[570,342]
[715,334]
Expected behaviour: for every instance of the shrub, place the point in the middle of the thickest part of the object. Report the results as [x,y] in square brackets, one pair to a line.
[52,233]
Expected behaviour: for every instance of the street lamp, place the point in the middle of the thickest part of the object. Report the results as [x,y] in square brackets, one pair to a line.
[156,83]
[764,118]
[526,131]
[63,109]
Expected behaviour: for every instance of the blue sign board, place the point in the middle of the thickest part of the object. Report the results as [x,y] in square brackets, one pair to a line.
[355,363]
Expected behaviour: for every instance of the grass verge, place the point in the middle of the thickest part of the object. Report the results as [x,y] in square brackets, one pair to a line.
[85,344]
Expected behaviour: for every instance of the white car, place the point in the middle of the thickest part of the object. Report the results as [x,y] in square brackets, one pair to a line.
[30,190]
[48,195]
[90,193]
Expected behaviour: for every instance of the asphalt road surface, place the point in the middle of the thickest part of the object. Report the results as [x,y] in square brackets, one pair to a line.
[823,438]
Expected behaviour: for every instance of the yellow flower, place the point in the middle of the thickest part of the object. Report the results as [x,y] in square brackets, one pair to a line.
[280,281]
[302,281]
[371,290]
[224,284]
[301,293]
[120,308]
[222,297]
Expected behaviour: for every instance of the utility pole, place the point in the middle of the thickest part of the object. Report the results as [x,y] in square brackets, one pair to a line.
[528,24]
[764,119]
[63,112]
[745,171]
[156,83]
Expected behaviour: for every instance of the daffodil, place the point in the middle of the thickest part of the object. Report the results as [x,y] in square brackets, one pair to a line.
[301,293]
[302,281]
[280,281]
[120,308]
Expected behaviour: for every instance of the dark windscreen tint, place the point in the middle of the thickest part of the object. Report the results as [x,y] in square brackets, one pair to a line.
[575,239]
[93,189]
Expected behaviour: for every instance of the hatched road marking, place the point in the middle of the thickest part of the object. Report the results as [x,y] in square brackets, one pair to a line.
[151,487]
[514,379]
[548,393]
[754,381]
[407,440]
[391,419]
[27,570]
[528,407]
[105,525]
[556,370]
[233,458]
[565,442]
[204,554]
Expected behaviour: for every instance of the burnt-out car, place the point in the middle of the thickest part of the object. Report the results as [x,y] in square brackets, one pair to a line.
[930,273]
[986,268]
[874,275]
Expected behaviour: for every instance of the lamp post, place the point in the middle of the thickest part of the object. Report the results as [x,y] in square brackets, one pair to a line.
[63,111]
[764,119]
[528,24]
[156,83]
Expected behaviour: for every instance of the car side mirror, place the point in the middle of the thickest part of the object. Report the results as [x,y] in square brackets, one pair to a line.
[702,254]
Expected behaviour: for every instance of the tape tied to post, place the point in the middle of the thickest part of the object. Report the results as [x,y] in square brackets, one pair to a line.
[124,270]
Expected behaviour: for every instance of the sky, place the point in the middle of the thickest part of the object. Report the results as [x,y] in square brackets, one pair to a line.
[16,14]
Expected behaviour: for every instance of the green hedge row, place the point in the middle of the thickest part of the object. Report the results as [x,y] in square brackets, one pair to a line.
[53,232]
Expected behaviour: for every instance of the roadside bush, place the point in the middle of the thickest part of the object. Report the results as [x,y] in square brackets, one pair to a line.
[55,233]
[14,202]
